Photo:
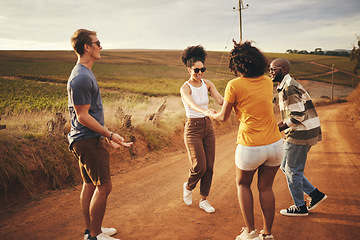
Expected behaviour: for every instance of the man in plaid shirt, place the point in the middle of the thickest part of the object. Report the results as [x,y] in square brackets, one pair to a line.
[302,130]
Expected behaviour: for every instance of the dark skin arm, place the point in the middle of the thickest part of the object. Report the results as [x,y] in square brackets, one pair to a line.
[282,126]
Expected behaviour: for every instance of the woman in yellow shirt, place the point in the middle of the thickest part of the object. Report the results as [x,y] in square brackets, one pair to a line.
[259,143]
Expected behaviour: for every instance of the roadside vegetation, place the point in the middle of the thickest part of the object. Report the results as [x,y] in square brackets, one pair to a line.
[354,111]
[134,84]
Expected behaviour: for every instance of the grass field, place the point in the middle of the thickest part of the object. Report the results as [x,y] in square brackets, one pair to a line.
[33,89]
[144,72]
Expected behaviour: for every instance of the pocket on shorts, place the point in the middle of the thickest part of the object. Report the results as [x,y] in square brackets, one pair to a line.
[279,151]
[247,158]
[277,154]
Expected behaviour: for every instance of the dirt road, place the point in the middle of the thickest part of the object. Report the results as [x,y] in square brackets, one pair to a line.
[146,203]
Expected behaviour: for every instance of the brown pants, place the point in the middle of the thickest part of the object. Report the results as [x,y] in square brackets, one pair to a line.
[199,139]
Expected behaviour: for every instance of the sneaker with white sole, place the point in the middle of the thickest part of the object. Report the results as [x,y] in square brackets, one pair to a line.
[187,195]
[107,231]
[244,235]
[295,211]
[263,236]
[103,236]
[206,206]
[86,234]
[316,197]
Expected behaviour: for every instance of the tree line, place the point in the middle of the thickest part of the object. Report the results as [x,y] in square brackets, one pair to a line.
[319,51]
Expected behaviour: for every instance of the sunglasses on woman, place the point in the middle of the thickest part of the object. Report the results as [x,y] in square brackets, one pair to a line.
[197,70]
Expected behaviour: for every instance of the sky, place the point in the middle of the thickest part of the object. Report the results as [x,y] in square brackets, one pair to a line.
[273,25]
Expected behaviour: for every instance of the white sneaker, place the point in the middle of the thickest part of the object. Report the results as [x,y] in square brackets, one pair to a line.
[107,231]
[265,237]
[247,235]
[187,195]
[103,236]
[206,206]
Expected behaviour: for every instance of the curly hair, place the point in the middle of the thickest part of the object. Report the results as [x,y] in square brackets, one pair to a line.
[247,61]
[192,54]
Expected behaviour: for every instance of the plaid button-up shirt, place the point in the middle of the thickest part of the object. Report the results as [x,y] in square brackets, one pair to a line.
[298,112]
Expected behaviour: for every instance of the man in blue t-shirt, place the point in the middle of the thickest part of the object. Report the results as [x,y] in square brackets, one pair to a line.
[88,134]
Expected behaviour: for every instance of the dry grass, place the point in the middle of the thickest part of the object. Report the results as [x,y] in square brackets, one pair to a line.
[354,111]
[28,150]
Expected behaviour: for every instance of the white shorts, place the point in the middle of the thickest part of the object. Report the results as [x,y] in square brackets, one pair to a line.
[250,158]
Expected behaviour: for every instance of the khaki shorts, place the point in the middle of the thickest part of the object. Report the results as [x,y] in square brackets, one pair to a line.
[94,160]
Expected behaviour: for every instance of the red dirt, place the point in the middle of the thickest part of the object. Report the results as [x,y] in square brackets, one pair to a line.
[146,202]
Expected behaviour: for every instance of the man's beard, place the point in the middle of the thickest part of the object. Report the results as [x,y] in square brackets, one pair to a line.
[278,78]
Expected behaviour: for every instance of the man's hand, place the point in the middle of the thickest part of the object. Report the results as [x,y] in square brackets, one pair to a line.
[282,126]
[117,141]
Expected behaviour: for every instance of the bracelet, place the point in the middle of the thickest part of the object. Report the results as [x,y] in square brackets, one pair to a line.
[110,135]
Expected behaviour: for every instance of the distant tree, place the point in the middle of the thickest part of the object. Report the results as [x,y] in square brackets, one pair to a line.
[338,53]
[355,56]
[318,51]
[303,52]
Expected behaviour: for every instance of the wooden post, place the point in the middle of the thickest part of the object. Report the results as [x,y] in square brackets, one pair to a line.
[332,84]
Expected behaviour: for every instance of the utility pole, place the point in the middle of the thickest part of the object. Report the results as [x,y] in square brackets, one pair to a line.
[332,84]
[240,7]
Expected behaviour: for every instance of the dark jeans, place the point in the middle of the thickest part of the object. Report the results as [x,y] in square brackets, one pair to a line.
[199,139]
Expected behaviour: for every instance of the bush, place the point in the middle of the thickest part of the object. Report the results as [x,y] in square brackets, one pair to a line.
[354,111]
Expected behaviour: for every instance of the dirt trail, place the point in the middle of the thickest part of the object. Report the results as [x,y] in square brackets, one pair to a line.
[146,203]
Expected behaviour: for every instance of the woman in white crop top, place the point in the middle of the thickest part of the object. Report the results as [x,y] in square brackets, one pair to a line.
[199,135]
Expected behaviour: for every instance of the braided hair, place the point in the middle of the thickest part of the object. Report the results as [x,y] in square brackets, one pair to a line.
[192,54]
[247,61]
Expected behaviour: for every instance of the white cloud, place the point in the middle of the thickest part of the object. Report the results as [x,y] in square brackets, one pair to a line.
[274,25]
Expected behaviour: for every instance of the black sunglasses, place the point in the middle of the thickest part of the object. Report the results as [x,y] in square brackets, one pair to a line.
[97,43]
[274,69]
[197,70]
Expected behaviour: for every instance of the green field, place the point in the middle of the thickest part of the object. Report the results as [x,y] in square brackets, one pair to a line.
[35,80]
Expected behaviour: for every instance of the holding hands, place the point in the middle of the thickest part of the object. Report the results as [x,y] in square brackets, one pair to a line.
[209,112]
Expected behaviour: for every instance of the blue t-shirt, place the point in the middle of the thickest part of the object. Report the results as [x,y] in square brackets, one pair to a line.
[83,89]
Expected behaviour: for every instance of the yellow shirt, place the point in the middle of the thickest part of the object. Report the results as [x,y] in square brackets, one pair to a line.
[252,98]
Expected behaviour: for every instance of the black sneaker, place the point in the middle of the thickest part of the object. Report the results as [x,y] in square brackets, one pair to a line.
[316,198]
[295,211]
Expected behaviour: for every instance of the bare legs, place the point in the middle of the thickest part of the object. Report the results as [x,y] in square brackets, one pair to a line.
[85,199]
[266,177]
[93,201]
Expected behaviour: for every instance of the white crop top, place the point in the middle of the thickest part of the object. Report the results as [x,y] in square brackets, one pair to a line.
[201,98]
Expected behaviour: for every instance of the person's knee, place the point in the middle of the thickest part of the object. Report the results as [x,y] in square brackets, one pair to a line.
[243,182]
[289,171]
[105,188]
[262,187]
[201,171]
